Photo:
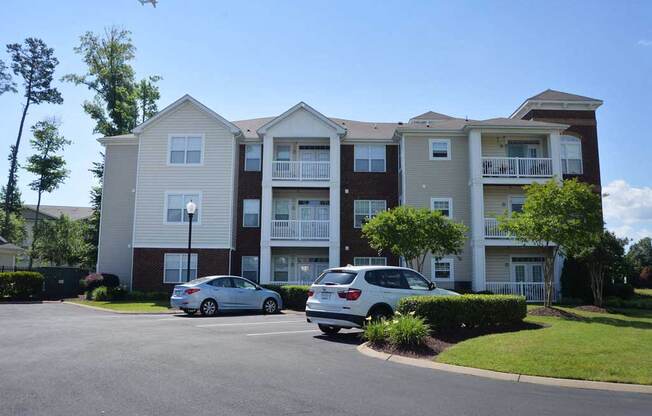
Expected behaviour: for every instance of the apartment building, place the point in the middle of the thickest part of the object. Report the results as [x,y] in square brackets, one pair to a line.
[282,198]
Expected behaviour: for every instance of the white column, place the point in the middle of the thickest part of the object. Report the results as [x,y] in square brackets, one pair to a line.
[554,147]
[266,209]
[334,203]
[477,209]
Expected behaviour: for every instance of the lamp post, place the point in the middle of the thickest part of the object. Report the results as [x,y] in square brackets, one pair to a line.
[191,207]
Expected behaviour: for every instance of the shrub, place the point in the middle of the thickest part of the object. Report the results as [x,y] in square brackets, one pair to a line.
[407,331]
[94,280]
[100,293]
[140,295]
[293,296]
[110,280]
[376,332]
[575,281]
[21,285]
[453,312]
[621,290]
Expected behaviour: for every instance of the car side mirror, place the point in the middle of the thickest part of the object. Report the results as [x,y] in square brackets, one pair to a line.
[432,286]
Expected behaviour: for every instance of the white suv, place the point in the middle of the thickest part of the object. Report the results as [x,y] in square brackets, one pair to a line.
[344,297]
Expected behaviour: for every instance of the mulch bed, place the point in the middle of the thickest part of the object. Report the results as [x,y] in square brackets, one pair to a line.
[439,342]
[591,308]
[554,312]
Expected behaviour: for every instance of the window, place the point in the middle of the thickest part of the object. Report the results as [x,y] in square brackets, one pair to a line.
[442,269]
[365,210]
[571,155]
[369,158]
[251,213]
[370,261]
[282,152]
[252,157]
[176,267]
[175,209]
[335,277]
[443,205]
[415,281]
[440,149]
[242,284]
[185,150]
[281,270]
[222,282]
[281,209]
[250,268]
[516,203]
[389,278]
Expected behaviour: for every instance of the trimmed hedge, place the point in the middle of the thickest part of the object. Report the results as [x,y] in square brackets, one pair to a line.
[470,311]
[20,285]
[293,296]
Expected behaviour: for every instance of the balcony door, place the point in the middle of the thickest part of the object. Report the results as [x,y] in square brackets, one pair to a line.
[314,154]
[310,268]
[314,216]
[523,149]
[527,269]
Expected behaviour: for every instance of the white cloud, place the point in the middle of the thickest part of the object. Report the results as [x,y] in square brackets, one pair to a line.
[645,42]
[628,209]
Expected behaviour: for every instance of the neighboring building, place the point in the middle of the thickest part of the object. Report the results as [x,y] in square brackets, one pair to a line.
[281,198]
[8,253]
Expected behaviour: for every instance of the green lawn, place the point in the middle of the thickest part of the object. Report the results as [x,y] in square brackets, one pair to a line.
[603,347]
[643,292]
[152,306]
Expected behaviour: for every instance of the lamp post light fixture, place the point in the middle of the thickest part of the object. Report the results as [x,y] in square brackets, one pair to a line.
[191,207]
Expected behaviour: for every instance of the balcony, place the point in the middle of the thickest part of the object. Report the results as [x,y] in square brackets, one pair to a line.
[492,229]
[516,167]
[300,230]
[299,170]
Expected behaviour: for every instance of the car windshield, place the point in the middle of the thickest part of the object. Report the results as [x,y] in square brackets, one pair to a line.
[200,280]
[335,278]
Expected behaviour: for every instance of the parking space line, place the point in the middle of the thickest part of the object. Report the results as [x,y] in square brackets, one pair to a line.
[283,332]
[246,323]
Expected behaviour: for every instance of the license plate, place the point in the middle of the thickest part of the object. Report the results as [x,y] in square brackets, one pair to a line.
[325,295]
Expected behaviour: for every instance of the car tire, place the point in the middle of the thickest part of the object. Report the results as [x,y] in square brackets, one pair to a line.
[208,308]
[329,329]
[380,312]
[270,306]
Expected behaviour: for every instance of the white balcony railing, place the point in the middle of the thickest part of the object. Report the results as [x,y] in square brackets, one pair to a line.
[533,291]
[492,229]
[299,170]
[300,230]
[517,167]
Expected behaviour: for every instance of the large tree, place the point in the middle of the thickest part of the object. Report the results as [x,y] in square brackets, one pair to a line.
[34,63]
[640,253]
[6,84]
[61,242]
[47,165]
[412,233]
[147,94]
[562,218]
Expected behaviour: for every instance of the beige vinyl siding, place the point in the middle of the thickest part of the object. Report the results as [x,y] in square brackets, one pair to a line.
[426,179]
[497,259]
[213,178]
[116,224]
[496,199]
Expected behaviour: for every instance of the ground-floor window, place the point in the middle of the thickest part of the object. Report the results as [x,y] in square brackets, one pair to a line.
[175,268]
[370,261]
[250,268]
[281,271]
[442,269]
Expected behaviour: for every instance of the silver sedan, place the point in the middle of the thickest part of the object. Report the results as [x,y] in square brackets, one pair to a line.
[211,294]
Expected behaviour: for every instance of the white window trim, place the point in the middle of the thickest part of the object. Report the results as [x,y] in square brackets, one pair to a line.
[448,145]
[182,267]
[562,151]
[369,159]
[448,260]
[512,276]
[450,205]
[369,211]
[243,213]
[257,267]
[201,157]
[509,201]
[260,163]
[369,261]
[198,203]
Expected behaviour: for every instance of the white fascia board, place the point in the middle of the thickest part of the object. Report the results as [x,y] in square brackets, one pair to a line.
[528,105]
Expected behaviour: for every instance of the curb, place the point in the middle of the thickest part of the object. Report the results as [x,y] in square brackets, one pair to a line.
[496,375]
[97,308]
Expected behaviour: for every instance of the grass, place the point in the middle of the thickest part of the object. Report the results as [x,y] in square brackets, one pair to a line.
[643,292]
[152,306]
[602,347]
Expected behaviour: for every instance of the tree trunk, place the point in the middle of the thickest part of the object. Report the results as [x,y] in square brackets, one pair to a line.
[11,181]
[35,230]
[549,276]
[597,283]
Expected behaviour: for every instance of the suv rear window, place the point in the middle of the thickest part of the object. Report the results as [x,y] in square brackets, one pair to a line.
[336,278]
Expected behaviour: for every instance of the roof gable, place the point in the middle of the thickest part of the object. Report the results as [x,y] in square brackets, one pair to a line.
[431,115]
[554,95]
[302,107]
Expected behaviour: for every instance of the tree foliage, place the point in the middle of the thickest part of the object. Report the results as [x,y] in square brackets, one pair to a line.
[33,62]
[60,242]
[640,253]
[563,218]
[6,84]
[412,233]
[16,231]
[147,94]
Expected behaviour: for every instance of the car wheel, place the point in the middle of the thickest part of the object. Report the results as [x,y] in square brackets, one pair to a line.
[329,329]
[270,306]
[208,308]
[378,313]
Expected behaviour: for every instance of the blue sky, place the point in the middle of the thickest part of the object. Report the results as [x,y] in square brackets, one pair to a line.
[367,60]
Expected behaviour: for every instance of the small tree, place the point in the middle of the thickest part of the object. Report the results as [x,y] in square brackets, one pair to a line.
[48,167]
[562,218]
[412,233]
[16,231]
[61,242]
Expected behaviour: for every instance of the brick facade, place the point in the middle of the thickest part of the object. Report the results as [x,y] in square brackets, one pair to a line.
[149,263]
[364,185]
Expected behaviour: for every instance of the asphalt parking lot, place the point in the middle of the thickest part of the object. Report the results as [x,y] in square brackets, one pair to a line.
[59,359]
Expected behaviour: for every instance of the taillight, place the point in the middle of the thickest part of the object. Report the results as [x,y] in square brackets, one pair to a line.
[351,294]
[310,293]
[191,291]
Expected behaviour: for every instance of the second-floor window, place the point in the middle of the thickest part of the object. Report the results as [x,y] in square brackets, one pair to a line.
[443,205]
[365,210]
[369,158]
[571,155]
[251,213]
[440,149]
[253,157]
[186,150]
[176,207]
